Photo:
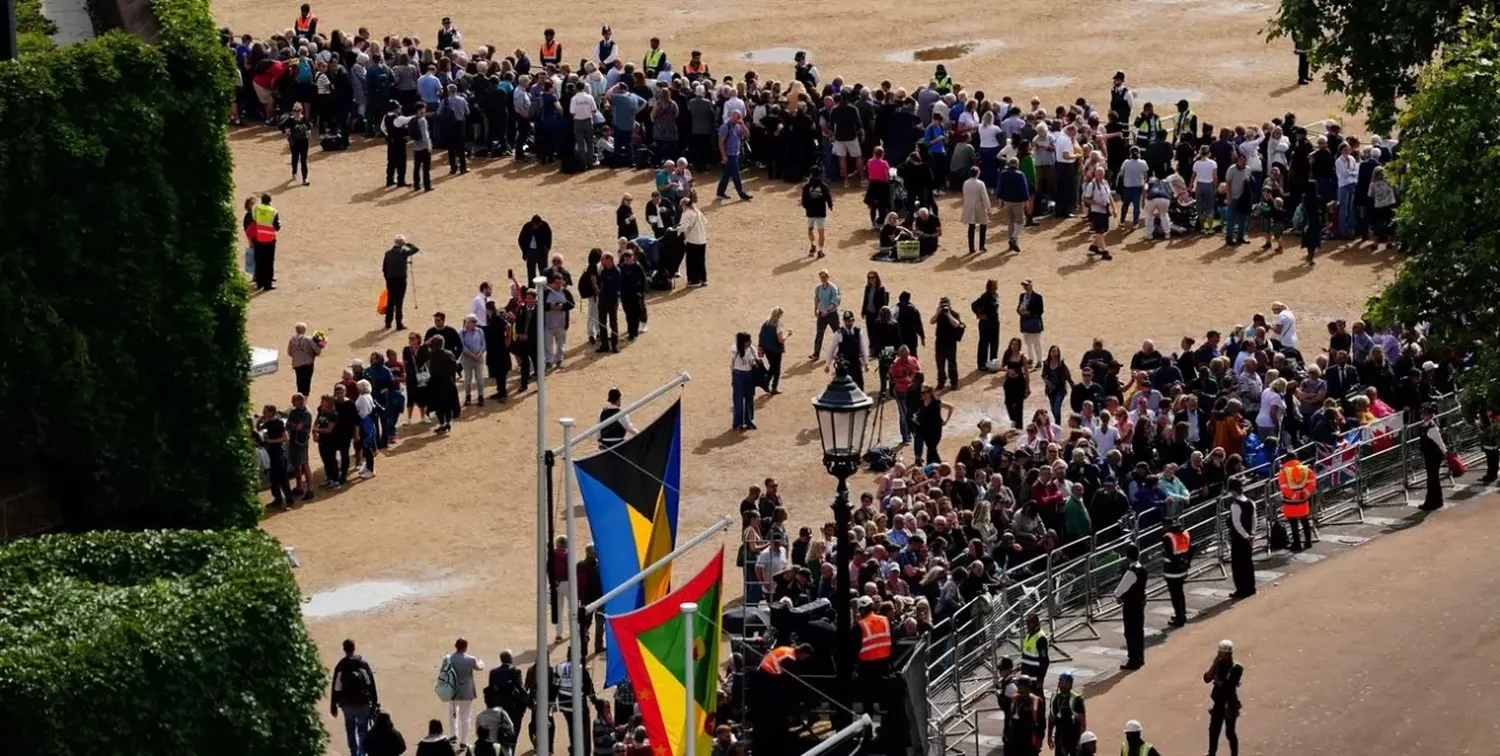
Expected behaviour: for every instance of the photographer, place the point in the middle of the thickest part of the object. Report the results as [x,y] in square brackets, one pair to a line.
[394,267]
[950,331]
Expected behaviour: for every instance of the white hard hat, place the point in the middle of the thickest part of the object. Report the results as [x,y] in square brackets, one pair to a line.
[1087,737]
[1226,646]
[1132,726]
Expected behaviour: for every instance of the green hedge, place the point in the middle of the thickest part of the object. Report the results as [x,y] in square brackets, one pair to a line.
[123,359]
[161,643]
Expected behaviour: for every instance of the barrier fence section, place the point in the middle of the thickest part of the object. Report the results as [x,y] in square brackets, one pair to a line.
[1072,586]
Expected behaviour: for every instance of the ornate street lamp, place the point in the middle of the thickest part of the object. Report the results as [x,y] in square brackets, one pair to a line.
[843,413]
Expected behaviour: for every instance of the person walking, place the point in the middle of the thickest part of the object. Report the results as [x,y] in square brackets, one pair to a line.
[948,330]
[850,346]
[1434,453]
[610,282]
[303,351]
[394,266]
[497,340]
[1026,720]
[732,134]
[742,382]
[420,132]
[456,682]
[567,678]
[771,343]
[442,387]
[1135,743]
[383,738]
[1030,308]
[355,695]
[1014,192]
[557,313]
[1131,593]
[633,282]
[693,226]
[265,225]
[1177,557]
[535,241]
[903,373]
[976,208]
[508,687]
[1298,482]
[1224,701]
[298,132]
[817,200]
[1067,719]
[872,302]
[1100,199]
[826,300]
[986,309]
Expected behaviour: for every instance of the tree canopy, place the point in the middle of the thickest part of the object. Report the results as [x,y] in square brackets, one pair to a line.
[1449,218]
[1373,51]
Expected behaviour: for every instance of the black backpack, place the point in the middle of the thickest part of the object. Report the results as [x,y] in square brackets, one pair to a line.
[354,681]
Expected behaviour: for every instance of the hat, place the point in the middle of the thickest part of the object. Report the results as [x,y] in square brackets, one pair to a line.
[1120,75]
[1087,737]
[864,602]
[1429,365]
[356,362]
[1109,480]
[1025,282]
[1024,679]
[778,536]
[447,20]
[1182,103]
[1226,646]
[849,315]
[1132,726]
[604,30]
[1065,677]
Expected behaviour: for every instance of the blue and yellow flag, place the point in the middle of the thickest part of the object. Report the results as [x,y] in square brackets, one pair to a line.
[630,495]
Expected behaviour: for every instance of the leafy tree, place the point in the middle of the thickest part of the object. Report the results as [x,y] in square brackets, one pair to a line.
[1373,51]
[1449,218]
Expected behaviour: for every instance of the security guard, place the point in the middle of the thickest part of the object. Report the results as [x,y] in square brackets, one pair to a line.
[307,22]
[696,68]
[655,57]
[1026,724]
[566,679]
[1135,744]
[265,224]
[1177,558]
[1005,692]
[783,658]
[1224,706]
[1186,122]
[1131,593]
[1066,719]
[551,49]
[941,81]
[875,640]
[1298,484]
[1034,652]
[1241,540]
[1148,125]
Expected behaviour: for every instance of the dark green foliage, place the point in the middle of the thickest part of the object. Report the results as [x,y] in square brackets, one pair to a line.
[122,343]
[1448,216]
[1373,51]
[158,643]
[29,18]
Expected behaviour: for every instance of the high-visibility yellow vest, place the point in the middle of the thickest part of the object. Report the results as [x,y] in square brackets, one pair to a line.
[654,58]
[264,229]
[1145,749]
[1031,656]
[944,82]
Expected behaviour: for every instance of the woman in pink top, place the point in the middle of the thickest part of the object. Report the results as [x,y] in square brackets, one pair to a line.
[878,193]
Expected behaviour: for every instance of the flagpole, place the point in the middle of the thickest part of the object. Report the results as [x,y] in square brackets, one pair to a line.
[689,733]
[599,603]
[575,642]
[625,411]
[542,715]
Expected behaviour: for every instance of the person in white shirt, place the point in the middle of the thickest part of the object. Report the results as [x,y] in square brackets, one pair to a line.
[1100,201]
[1277,148]
[476,305]
[1346,169]
[742,382]
[1284,327]
[1272,410]
[1065,171]
[772,561]
[583,109]
[1205,186]
[734,105]
[694,229]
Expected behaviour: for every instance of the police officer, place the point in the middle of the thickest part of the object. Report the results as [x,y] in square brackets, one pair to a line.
[1135,744]
[566,679]
[1066,720]
[850,346]
[1224,706]
[1026,724]
[395,145]
[1121,99]
[1177,557]
[1131,593]
[1005,692]
[1034,653]
[941,81]
[1241,540]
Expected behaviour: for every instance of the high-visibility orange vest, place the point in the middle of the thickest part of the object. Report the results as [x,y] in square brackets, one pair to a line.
[1298,482]
[551,52]
[305,23]
[1180,542]
[263,228]
[777,656]
[877,638]
[696,68]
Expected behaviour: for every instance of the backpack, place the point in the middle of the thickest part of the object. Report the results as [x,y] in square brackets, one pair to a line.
[354,683]
[304,71]
[447,680]
[1159,190]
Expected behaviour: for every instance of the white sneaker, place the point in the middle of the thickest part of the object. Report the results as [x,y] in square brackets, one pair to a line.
[366,474]
[427,419]
[644,328]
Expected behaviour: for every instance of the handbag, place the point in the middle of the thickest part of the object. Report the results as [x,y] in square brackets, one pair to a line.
[1455,465]
[383,302]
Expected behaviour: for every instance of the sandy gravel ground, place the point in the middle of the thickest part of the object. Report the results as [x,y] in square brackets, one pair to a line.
[449,522]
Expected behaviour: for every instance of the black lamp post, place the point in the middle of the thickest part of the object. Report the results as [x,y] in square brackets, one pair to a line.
[843,412]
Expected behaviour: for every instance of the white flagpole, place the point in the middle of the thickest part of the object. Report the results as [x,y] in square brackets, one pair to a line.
[575,642]
[543,715]
[690,731]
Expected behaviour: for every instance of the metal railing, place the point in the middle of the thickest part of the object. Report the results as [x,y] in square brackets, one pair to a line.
[1071,587]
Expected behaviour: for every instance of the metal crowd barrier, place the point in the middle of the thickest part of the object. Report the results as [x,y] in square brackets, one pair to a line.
[1072,586]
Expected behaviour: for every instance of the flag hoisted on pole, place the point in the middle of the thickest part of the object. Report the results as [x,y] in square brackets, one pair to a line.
[656,643]
[630,494]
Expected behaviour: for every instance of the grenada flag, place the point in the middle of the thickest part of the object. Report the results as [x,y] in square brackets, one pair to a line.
[652,641]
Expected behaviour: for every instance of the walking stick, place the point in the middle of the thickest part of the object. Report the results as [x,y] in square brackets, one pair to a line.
[411,275]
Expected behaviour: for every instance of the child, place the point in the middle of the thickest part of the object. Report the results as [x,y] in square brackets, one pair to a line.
[1272,211]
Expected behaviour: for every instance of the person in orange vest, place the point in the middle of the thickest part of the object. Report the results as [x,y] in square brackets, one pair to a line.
[696,68]
[1298,484]
[265,222]
[1177,557]
[777,659]
[551,49]
[874,651]
[307,22]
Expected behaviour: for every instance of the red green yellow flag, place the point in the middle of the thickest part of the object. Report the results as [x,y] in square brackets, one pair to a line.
[652,642]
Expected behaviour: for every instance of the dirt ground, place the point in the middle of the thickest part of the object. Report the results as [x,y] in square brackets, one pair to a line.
[440,543]
[1388,648]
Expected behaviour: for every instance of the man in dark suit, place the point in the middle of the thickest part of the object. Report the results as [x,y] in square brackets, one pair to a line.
[909,323]
[1029,308]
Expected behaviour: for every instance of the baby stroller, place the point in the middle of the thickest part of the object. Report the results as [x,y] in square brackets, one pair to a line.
[900,199]
[1184,216]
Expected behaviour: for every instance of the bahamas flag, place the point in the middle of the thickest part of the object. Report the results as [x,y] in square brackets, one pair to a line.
[653,639]
[630,497]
